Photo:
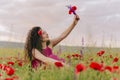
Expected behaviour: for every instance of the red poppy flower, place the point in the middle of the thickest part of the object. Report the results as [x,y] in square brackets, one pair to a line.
[9,79]
[40,32]
[0,66]
[114,79]
[72,9]
[4,67]
[115,68]
[10,63]
[68,56]
[77,55]
[115,59]
[108,68]
[79,68]
[96,66]
[73,55]
[111,56]
[100,53]
[9,71]
[58,64]
[20,63]
[0,74]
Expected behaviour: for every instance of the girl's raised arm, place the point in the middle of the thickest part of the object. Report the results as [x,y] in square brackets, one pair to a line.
[55,41]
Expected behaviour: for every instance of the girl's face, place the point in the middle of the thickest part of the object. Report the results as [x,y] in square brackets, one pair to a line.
[45,36]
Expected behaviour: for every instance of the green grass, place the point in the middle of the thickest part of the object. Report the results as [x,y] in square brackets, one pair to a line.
[54,73]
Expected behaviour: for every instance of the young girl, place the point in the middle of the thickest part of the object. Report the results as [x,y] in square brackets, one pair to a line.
[38,46]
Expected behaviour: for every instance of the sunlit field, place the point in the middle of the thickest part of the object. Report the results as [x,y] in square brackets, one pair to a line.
[85,64]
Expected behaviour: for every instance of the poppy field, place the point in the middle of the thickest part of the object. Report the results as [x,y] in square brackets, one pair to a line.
[90,64]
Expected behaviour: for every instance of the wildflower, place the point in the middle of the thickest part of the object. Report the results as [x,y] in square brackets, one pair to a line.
[79,68]
[58,64]
[100,53]
[96,66]
[68,56]
[9,79]
[10,63]
[108,68]
[115,59]
[9,71]
[19,63]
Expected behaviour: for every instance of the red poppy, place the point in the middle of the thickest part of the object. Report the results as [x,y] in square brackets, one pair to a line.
[0,66]
[40,32]
[96,66]
[108,68]
[58,64]
[0,74]
[73,55]
[9,79]
[20,63]
[100,53]
[68,56]
[9,71]
[111,56]
[77,55]
[79,68]
[114,79]
[10,63]
[115,68]
[4,67]
[72,9]
[115,59]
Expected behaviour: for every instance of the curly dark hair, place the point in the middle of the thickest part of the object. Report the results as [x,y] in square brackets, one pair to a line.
[33,40]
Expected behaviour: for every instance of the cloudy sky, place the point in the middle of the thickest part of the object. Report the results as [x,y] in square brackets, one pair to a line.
[99,24]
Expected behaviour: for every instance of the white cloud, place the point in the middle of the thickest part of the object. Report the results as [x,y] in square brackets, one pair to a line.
[4,29]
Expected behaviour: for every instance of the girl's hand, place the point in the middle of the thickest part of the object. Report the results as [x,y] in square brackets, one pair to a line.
[76,19]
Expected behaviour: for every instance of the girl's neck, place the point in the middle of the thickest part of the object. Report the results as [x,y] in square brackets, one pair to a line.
[44,45]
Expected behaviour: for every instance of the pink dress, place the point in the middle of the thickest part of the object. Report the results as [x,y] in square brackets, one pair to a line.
[48,53]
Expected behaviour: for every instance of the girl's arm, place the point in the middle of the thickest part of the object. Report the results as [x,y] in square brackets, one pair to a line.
[66,32]
[38,55]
